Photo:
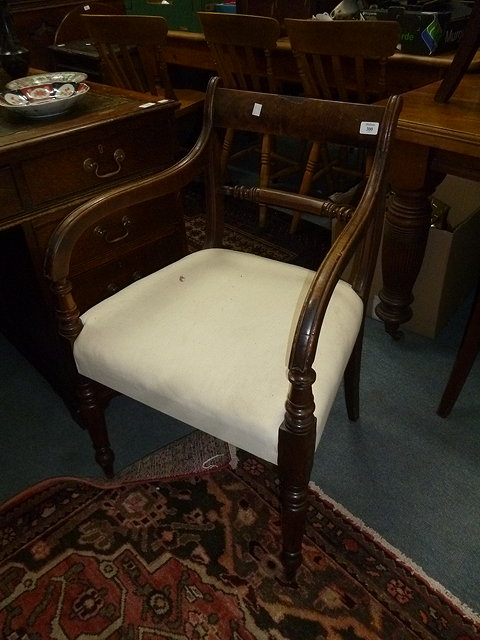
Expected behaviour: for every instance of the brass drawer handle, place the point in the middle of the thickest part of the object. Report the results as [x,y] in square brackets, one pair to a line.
[112,288]
[111,238]
[92,166]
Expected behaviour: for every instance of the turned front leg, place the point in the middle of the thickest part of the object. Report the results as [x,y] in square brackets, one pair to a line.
[296,447]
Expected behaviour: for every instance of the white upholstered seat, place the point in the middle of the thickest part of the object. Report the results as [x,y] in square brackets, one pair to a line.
[177,342]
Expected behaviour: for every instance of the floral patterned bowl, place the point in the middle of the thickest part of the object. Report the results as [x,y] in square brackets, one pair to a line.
[45,95]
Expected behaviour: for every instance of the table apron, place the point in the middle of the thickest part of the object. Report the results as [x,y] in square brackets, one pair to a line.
[457,164]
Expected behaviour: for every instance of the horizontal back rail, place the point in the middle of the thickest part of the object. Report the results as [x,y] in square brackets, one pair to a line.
[298,117]
[368,39]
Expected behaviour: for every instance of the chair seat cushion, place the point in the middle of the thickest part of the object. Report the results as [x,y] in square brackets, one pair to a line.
[207,341]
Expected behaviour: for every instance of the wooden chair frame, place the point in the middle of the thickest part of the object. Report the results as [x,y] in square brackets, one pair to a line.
[131,50]
[467,48]
[357,244]
[464,360]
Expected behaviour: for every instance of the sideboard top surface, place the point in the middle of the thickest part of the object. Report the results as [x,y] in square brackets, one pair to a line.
[102,103]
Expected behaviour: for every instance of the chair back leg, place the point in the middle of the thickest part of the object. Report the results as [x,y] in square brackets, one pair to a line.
[351,380]
[468,351]
[467,48]
[92,417]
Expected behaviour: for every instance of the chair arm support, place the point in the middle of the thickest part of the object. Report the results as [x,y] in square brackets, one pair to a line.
[368,218]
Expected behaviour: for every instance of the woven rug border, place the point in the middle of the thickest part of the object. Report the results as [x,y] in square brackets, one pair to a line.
[398,556]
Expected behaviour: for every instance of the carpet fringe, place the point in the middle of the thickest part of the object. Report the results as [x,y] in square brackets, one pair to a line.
[464,610]
[233,456]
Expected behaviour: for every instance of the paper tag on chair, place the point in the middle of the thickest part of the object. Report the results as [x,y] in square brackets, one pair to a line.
[257,109]
[369,128]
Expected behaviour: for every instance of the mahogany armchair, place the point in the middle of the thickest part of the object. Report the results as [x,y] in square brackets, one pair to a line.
[246,348]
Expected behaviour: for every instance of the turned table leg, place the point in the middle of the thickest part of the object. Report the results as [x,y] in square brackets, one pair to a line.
[407,222]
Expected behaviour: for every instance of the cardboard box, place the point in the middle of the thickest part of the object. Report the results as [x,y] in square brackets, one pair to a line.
[426,32]
[451,265]
[181,15]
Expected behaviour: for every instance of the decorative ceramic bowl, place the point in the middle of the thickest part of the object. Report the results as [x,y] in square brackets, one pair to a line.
[45,95]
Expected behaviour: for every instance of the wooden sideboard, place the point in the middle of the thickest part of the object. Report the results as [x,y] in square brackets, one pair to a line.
[47,168]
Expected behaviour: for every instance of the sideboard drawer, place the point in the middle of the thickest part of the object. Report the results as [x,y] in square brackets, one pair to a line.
[10,203]
[118,233]
[98,161]
[93,286]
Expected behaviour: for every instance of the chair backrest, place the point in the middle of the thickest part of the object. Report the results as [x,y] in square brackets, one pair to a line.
[370,126]
[72,27]
[467,47]
[278,9]
[131,50]
[343,59]
[241,46]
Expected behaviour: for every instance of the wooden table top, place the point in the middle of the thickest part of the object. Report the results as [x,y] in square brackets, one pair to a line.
[440,60]
[451,126]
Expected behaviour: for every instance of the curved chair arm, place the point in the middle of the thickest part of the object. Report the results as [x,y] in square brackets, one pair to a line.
[169,180]
[321,290]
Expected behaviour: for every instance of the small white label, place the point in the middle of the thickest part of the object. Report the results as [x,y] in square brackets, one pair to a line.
[369,128]
[145,105]
[257,109]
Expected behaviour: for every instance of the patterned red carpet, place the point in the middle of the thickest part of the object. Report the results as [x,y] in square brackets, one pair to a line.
[197,558]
